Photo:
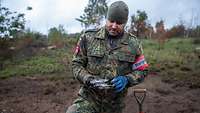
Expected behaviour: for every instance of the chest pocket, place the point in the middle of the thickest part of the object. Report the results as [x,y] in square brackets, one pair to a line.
[124,60]
[95,63]
[124,54]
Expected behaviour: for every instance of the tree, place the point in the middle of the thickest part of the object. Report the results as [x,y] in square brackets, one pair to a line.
[94,13]
[197,31]
[56,36]
[177,31]
[160,28]
[10,22]
[149,31]
[161,34]
[138,23]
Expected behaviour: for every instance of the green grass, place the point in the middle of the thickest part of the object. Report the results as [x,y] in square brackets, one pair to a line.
[46,63]
[43,63]
[176,61]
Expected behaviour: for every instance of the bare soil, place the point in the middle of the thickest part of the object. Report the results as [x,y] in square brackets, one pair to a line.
[47,94]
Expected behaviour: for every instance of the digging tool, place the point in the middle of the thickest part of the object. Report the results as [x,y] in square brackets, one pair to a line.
[140,95]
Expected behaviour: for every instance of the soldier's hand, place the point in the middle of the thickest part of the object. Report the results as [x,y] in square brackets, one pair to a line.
[119,83]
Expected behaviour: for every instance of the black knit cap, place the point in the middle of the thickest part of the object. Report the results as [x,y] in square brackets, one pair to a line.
[118,11]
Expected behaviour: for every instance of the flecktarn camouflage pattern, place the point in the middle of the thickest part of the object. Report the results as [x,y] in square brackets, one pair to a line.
[93,56]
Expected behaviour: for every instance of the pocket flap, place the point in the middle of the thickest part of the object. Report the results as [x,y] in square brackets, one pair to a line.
[122,56]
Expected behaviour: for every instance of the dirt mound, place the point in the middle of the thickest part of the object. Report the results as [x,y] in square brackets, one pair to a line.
[53,95]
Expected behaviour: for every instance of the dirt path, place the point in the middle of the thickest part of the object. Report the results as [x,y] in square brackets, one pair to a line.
[53,95]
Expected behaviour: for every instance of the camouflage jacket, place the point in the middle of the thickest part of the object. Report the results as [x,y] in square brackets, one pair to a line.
[94,57]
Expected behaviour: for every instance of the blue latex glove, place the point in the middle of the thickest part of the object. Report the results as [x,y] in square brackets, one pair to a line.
[119,83]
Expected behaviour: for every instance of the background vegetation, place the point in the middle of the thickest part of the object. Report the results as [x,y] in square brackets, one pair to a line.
[172,53]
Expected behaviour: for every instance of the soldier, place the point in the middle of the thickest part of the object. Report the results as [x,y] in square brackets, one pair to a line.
[107,62]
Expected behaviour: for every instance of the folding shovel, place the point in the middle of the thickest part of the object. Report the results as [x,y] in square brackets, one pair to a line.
[140,95]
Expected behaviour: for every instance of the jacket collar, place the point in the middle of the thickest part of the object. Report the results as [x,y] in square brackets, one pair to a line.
[101,34]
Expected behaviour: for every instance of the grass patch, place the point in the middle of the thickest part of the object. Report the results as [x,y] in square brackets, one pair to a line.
[176,61]
[49,62]
[35,65]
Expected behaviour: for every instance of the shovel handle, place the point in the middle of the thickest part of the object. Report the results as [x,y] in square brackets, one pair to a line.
[140,90]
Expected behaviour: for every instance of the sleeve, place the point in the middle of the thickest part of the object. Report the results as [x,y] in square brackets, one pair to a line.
[139,67]
[79,61]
